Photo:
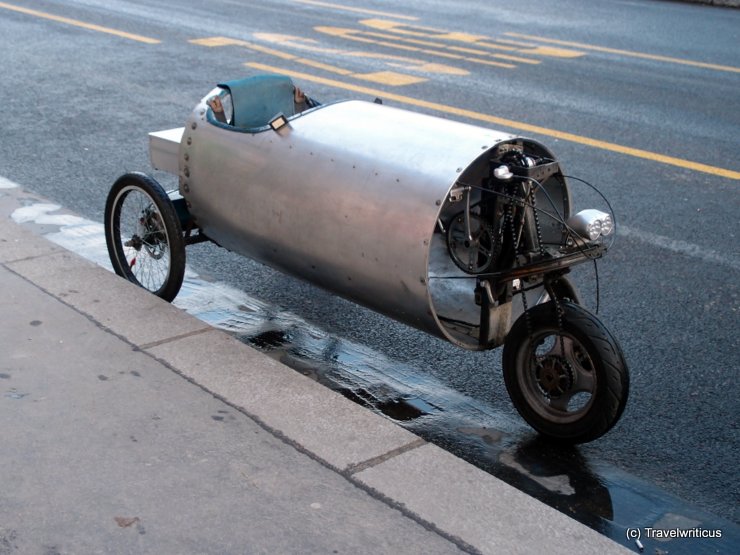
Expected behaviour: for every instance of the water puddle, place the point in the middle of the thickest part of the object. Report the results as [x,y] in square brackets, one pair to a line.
[592,492]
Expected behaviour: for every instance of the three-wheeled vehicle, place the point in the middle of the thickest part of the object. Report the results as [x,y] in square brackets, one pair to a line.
[460,231]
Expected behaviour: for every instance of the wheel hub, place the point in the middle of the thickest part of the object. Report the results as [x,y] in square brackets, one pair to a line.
[554,375]
[136,242]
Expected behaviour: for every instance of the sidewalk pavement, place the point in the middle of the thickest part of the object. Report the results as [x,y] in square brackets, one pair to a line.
[129,426]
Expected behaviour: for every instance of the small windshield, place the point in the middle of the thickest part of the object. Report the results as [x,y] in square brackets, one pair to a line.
[222,106]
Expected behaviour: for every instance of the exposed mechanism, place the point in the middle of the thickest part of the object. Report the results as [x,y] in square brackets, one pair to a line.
[491,231]
[507,225]
[471,242]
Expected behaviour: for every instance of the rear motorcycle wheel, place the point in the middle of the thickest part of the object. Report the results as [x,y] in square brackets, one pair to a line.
[144,236]
[565,375]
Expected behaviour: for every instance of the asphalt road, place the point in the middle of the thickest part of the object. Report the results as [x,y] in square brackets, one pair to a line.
[638,97]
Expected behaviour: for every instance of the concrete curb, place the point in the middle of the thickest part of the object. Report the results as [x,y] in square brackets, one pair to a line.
[476,510]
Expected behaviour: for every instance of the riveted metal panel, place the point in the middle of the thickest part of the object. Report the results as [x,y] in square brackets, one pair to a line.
[347,196]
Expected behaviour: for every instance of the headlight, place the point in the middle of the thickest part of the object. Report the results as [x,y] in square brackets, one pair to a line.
[607,225]
[591,224]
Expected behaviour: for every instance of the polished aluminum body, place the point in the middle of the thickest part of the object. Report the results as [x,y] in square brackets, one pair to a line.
[347,196]
[460,231]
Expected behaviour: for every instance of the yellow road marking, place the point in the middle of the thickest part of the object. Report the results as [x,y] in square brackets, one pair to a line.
[446,47]
[536,49]
[213,42]
[418,31]
[76,23]
[421,42]
[552,52]
[595,143]
[630,53]
[356,10]
[352,34]
[477,40]
[393,60]
[390,78]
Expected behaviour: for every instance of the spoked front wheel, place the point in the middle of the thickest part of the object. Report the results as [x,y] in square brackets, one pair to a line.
[144,236]
[565,374]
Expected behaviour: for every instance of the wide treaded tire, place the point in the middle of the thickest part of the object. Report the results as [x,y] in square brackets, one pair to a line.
[611,375]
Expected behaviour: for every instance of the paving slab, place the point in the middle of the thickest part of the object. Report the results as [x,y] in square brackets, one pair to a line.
[17,243]
[126,309]
[324,422]
[480,509]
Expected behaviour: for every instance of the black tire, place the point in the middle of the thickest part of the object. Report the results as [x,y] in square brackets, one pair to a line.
[144,236]
[566,376]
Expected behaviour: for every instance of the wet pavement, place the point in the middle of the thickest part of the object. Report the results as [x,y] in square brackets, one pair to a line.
[592,492]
